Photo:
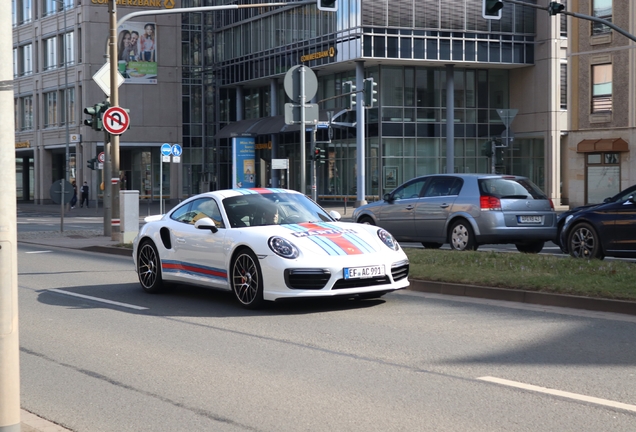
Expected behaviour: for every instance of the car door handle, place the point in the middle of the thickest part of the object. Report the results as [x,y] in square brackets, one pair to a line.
[444,205]
[180,240]
[410,207]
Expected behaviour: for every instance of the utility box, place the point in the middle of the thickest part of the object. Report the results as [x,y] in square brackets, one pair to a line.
[129,212]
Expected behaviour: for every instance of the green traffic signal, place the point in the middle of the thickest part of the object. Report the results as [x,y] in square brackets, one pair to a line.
[327,5]
[555,8]
[491,9]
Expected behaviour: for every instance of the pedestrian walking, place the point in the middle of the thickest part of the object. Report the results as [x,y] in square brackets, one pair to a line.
[74,199]
[84,192]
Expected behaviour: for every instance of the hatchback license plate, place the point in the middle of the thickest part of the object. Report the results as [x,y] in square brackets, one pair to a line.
[530,219]
[363,272]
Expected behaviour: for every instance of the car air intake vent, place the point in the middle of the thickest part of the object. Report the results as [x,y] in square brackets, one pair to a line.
[400,271]
[307,278]
[359,283]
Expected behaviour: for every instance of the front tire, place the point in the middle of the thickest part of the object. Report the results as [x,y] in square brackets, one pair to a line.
[583,242]
[532,248]
[247,279]
[462,236]
[149,268]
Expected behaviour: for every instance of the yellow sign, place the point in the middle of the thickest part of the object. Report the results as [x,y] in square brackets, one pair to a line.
[23,144]
[331,52]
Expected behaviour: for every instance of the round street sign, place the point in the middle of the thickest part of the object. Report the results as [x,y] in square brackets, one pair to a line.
[101,157]
[56,192]
[166,149]
[116,120]
[176,150]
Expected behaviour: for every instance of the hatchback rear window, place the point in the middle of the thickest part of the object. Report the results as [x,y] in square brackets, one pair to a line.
[510,188]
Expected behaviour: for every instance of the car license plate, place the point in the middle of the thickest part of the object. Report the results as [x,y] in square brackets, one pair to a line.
[363,272]
[530,219]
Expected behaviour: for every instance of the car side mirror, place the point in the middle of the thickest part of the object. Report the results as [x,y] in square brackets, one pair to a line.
[334,214]
[206,223]
[387,197]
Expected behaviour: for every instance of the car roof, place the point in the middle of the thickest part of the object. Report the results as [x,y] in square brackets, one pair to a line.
[226,193]
[474,175]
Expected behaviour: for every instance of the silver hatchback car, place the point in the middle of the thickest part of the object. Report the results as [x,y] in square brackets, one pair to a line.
[465,210]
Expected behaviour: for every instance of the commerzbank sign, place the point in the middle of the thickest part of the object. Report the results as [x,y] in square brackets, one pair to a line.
[166,4]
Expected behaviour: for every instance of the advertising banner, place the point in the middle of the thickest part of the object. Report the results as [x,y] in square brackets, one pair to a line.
[243,165]
[137,52]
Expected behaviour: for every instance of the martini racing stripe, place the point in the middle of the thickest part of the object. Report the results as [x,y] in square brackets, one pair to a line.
[331,240]
[261,191]
[353,238]
[181,267]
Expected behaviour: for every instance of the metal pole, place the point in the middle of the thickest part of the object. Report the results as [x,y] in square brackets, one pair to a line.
[303,154]
[9,340]
[450,119]
[114,139]
[360,138]
[66,119]
[314,188]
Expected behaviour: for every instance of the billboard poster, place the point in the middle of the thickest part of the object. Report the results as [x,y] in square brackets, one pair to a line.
[243,162]
[137,52]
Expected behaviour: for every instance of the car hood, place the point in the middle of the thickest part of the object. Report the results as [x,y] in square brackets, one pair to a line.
[331,238]
[579,209]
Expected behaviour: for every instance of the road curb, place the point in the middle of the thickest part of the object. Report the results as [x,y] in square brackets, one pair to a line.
[521,296]
[113,250]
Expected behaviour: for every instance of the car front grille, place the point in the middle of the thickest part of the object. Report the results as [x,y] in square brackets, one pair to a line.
[359,283]
[307,279]
[400,270]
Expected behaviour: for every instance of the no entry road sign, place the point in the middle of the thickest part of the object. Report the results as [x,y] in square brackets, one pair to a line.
[116,120]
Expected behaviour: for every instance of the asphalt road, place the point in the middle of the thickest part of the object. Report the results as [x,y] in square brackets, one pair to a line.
[98,354]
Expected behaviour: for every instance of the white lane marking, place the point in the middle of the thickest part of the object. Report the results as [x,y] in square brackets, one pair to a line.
[97,299]
[38,252]
[575,396]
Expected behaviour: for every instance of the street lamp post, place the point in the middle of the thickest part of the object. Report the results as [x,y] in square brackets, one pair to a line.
[66,118]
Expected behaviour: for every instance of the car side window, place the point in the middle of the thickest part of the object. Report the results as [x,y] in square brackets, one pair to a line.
[409,190]
[442,186]
[198,209]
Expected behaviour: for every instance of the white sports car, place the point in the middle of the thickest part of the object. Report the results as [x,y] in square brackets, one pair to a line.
[267,245]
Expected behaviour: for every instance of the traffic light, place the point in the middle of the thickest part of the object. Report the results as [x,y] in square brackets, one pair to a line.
[555,8]
[327,5]
[491,9]
[370,92]
[96,112]
[349,90]
[486,149]
[91,163]
[318,155]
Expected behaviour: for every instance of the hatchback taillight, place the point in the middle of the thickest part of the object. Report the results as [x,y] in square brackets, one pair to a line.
[488,203]
[551,203]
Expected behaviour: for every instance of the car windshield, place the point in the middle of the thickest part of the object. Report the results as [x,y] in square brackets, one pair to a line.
[510,188]
[623,195]
[256,209]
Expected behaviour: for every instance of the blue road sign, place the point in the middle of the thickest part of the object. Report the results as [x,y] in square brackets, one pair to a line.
[166,149]
[176,150]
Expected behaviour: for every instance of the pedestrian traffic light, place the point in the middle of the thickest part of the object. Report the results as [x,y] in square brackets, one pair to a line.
[491,9]
[327,5]
[370,92]
[91,163]
[96,112]
[555,8]
[349,91]
[321,155]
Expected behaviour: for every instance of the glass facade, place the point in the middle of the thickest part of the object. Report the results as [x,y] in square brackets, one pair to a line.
[231,57]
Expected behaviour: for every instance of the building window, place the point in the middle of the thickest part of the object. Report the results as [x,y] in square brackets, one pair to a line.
[50,109]
[602,176]
[16,114]
[27,59]
[68,96]
[27,113]
[50,54]
[68,49]
[26,12]
[49,7]
[564,86]
[601,9]
[602,88]
[14,13]
[15,62]
[563,21]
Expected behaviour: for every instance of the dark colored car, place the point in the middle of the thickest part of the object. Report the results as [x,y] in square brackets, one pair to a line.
[600,230]
[465,210]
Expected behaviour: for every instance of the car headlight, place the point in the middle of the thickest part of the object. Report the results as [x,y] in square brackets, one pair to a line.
[388,239]
[282,247]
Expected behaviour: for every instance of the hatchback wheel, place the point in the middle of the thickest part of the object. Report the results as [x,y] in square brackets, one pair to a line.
[429,245]
[366,220]
[462,236]
[533,248]
[583,242]
[247,279]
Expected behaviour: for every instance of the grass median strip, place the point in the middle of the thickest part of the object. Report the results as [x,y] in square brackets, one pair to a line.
[608,279]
